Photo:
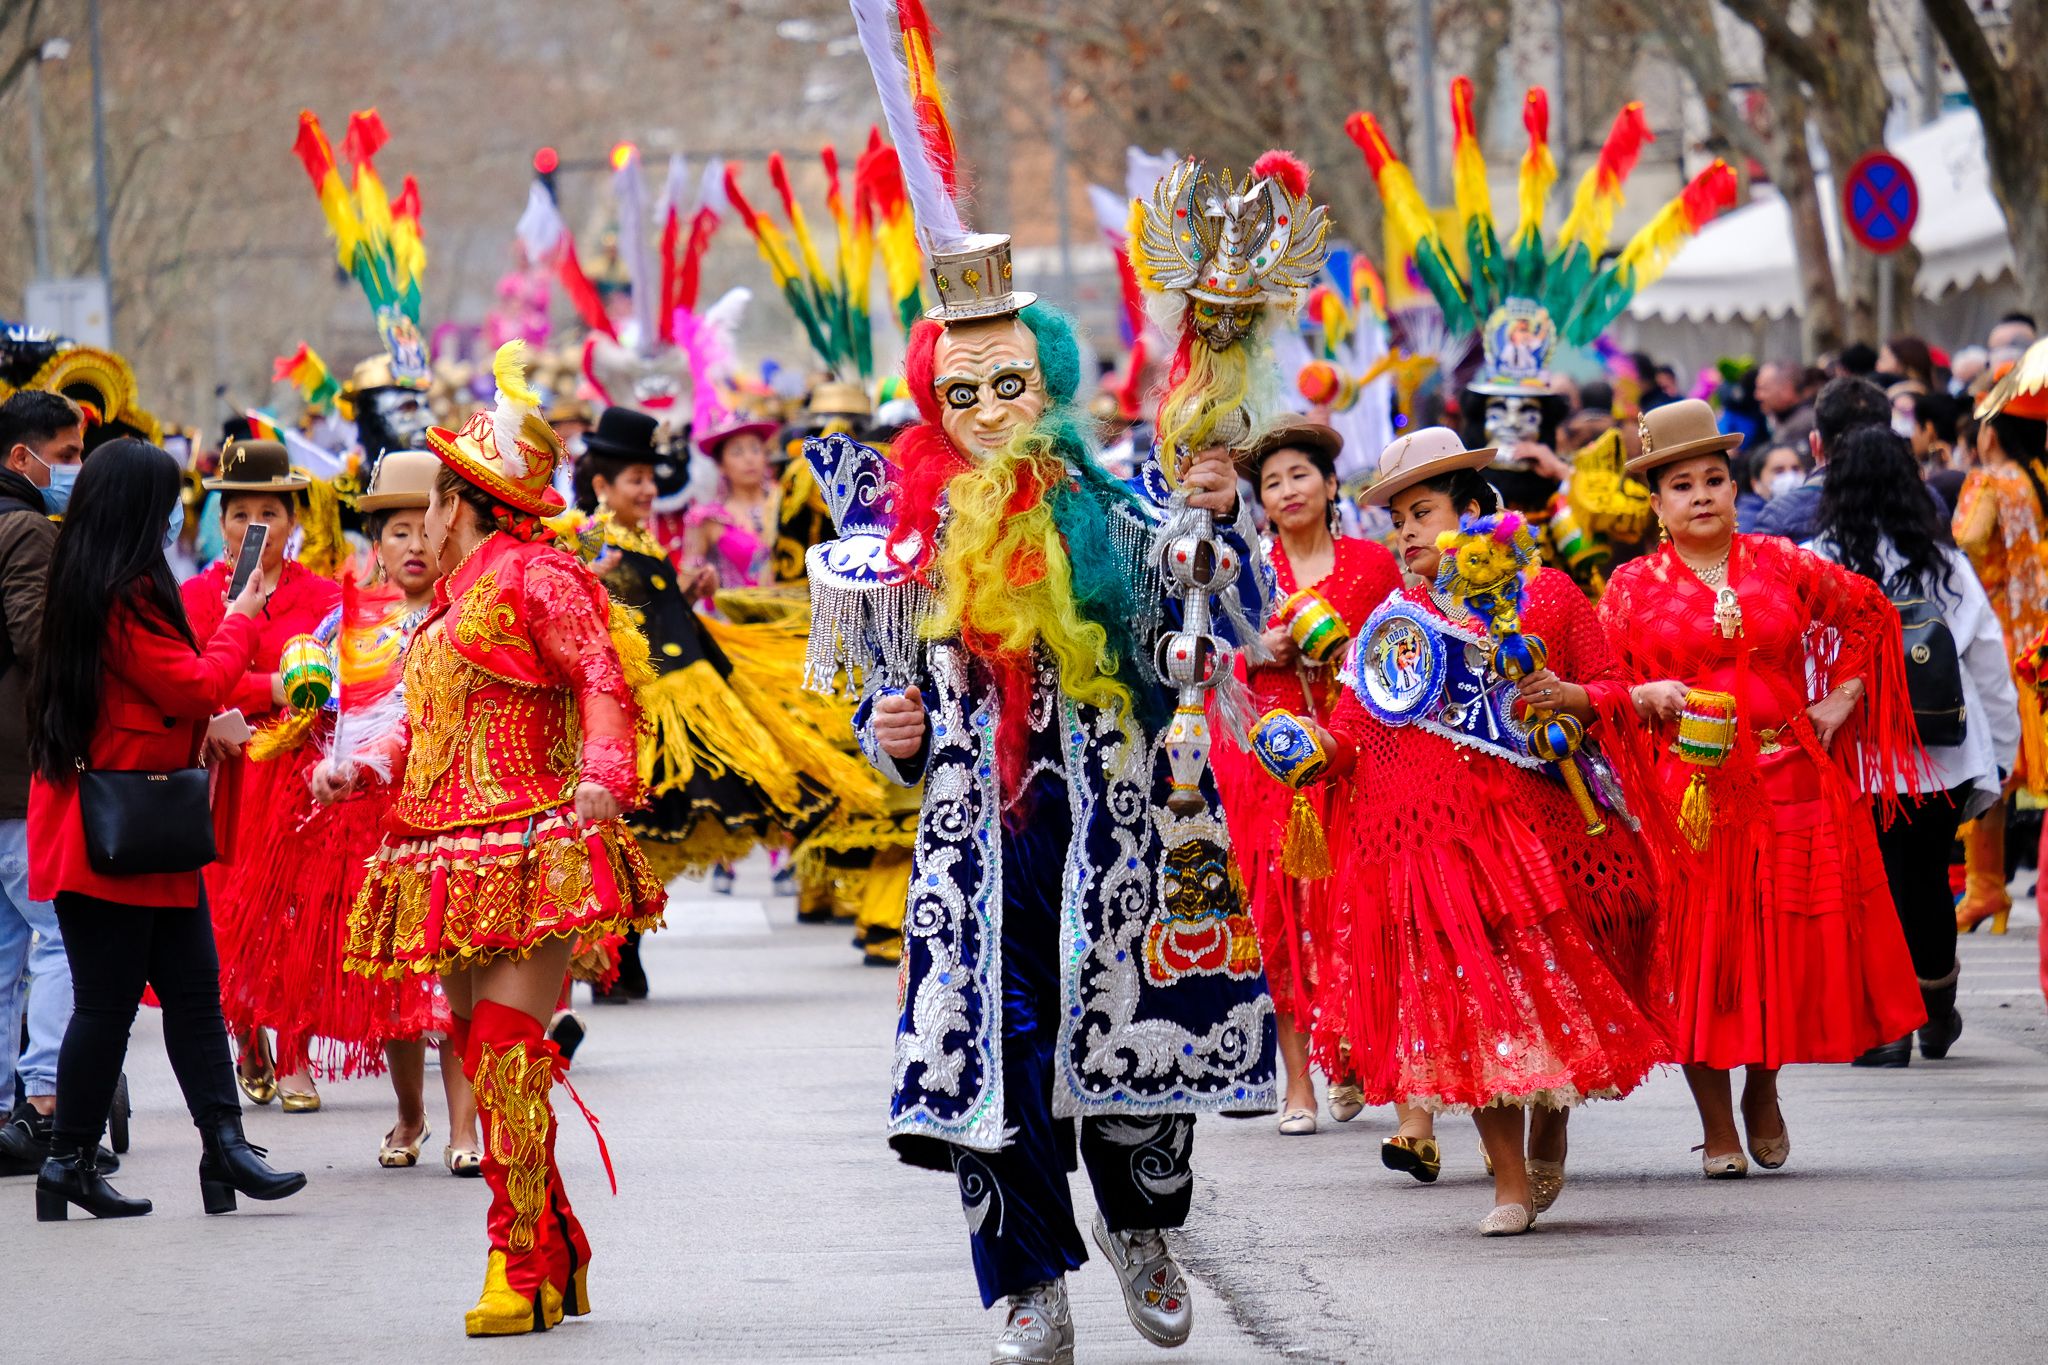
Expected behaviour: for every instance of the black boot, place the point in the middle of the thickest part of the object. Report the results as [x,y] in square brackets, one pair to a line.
[25,1143]
[229,1165]
[1898,1053]
[72,1176]
[632,975]
[1944,1021]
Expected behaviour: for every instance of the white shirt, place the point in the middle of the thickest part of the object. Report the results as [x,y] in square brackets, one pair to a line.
[1991,701]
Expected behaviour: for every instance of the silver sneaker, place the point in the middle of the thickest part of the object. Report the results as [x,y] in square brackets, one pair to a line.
[1040,1330]
[1155,1290]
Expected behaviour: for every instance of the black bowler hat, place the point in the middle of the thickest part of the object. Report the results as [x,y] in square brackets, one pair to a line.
[625,435]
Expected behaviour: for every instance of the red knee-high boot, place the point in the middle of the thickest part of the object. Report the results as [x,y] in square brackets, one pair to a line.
[512,1067]
[569,1249]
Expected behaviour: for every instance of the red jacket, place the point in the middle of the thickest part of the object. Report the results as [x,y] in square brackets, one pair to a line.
[156,695]
[298,605]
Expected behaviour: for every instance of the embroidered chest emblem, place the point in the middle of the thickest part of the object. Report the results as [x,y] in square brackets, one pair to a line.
[485,621]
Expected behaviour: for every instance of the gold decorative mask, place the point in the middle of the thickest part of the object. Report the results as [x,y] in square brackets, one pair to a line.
[989,385]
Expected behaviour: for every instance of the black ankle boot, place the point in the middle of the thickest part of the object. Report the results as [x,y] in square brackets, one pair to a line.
[25,1143]
[1898,1053]
[72,1175]
[1944,1021]
[229,1165]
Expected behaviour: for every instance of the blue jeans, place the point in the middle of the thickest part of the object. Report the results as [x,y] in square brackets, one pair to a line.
[29,939]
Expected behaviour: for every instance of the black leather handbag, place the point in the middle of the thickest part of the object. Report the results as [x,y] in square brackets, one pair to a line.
[142,823]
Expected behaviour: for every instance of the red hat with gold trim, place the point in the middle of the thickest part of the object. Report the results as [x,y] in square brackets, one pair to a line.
[507,450]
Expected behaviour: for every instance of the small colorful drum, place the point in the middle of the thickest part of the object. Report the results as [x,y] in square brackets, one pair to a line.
[1318,631]
[306,672]
[1706,728]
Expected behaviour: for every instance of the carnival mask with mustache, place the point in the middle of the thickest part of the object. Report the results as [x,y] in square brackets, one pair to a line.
[989,384]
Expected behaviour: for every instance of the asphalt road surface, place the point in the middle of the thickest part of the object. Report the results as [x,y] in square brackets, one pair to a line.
[761,1218]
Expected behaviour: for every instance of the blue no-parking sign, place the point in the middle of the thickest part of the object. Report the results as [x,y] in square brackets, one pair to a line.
[1880,202]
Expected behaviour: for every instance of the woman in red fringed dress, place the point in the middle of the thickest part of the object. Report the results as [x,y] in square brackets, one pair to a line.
[1467,969]
[1781,945]
[281,953]
[1294,470]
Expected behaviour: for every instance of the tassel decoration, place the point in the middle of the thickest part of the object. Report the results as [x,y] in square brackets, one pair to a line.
[1304,851]
[1696,812]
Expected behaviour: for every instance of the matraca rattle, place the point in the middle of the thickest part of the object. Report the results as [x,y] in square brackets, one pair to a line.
[1488,564]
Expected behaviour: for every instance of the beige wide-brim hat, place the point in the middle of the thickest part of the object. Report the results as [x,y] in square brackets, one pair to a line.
[1423,455]
[1677,431]
[404,478]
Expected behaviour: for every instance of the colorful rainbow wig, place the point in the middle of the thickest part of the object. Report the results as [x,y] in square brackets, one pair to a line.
[1027,557]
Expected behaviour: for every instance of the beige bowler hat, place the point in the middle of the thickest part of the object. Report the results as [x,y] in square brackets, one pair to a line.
[403,478]
[1423,455]
[1677,430]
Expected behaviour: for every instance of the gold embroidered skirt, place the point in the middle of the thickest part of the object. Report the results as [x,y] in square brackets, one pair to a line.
[436,903]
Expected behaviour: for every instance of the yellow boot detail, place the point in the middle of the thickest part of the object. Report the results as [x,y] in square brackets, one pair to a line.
[502,1311]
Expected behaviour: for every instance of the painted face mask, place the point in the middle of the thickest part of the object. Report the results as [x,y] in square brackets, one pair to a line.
[989,385]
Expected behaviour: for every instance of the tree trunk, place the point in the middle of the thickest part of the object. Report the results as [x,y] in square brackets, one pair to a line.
[1691,40]
[2012,105]
[1836,58]
[1823,325]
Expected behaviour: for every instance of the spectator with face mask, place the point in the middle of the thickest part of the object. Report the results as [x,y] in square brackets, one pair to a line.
[2013,334]
[42,440]
[1767,474]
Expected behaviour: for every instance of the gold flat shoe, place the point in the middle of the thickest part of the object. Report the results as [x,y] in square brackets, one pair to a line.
[1419,1157]
[299,1101]
[461,1161]
[1507,1220]
[393,1157]
[1347,1102]
[1771,1153]
[259,1089]
[1546,1182]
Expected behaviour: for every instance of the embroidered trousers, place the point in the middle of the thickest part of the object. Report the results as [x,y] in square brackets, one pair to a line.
[1020,1209]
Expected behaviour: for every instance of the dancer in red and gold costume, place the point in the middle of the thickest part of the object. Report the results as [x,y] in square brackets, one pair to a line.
[1464,969]
[1327,585]
[1776,682]
[258,486]
[281,940]
[506,844]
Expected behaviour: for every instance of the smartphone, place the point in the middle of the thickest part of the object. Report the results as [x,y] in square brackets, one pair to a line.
[247,561]
[230,726]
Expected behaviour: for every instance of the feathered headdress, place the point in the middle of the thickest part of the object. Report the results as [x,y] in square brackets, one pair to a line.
[1523,298]
[508,450]
[377,241]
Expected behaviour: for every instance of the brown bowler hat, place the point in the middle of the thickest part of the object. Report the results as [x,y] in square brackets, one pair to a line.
[1677,430]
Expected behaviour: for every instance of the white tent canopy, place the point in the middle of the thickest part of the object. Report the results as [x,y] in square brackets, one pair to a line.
[1741,268]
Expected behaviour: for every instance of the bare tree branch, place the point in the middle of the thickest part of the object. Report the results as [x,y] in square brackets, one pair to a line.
[1793,47]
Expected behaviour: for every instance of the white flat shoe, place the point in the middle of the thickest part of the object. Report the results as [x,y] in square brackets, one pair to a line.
[1347,1102]
[1507,1220]
[1722,1165]
[1298,1123]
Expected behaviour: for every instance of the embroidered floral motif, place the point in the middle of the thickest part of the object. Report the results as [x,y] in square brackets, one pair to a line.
[512,1094]
[486,622]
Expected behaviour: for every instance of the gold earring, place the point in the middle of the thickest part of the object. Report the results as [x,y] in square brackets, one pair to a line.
[1663,532]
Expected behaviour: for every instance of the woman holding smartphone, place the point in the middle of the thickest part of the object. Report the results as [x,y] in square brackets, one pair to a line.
[258,489]
[123,684]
